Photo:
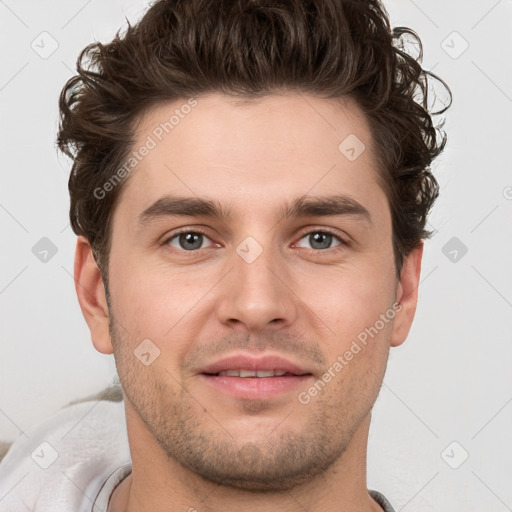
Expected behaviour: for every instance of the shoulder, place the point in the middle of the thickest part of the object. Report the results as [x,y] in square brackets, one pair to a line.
[58,463]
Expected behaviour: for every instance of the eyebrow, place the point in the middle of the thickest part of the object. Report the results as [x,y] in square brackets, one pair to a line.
[304,206]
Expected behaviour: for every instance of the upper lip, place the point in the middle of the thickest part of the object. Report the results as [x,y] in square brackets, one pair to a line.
[261,363]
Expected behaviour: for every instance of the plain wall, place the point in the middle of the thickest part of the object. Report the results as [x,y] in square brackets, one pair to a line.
[448,389]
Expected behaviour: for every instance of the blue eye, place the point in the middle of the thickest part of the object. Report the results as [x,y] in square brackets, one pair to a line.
[188,240]
[320,240]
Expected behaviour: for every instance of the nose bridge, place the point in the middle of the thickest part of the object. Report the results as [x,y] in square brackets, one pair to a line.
[255,265]
[254,294]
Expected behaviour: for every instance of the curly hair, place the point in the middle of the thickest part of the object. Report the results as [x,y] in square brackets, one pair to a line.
[252,48]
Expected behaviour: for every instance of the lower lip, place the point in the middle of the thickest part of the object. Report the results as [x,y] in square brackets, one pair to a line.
[255,388]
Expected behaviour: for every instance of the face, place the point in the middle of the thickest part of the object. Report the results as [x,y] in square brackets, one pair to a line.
[248,239]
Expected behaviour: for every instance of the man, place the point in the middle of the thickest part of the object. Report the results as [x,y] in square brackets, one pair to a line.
[250,189]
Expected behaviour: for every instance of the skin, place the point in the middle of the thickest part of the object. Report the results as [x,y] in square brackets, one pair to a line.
[192,446]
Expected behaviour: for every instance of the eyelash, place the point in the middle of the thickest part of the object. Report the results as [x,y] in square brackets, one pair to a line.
[200,231]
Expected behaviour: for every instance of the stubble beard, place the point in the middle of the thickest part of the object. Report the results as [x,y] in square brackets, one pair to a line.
[189,433]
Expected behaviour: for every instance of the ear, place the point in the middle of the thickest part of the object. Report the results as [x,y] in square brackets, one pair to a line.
[407,296]
[91,296]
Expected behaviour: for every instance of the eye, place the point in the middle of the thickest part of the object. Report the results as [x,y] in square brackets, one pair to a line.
[321,240]
[194,240]
[188,240]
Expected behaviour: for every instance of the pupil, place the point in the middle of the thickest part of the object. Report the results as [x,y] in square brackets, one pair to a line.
[191,241]
[323,240]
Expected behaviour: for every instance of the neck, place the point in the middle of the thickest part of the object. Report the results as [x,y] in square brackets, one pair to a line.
[158,482]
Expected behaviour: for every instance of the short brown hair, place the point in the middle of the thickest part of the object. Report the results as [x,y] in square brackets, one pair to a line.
[249,49]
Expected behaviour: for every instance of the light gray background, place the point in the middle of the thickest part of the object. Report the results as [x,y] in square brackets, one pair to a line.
[450,382]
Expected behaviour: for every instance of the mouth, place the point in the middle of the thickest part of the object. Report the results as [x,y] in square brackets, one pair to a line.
[254,374]
[262,378]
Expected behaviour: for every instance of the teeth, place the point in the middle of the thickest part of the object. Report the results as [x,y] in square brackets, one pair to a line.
[263,373]
[252,373]
[248,373]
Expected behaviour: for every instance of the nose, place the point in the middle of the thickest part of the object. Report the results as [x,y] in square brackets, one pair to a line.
[257,293]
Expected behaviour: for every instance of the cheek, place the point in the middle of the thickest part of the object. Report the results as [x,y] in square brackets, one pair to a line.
[158,303]
[362,320]
[349,301]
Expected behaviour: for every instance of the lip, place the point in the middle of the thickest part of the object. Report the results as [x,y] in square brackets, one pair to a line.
[261,363]
[255,388]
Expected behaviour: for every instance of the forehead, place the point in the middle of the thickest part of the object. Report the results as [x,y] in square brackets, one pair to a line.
[249,153]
